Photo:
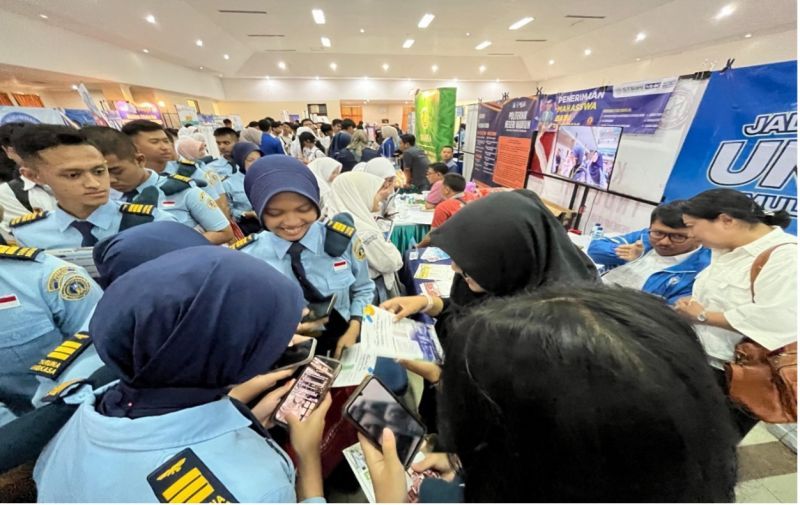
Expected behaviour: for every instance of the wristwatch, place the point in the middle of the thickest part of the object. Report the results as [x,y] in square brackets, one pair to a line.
[702,317]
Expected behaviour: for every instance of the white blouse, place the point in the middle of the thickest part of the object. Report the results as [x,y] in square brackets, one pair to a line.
[770,320]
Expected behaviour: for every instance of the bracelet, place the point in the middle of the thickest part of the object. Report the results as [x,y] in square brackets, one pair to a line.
[430,304]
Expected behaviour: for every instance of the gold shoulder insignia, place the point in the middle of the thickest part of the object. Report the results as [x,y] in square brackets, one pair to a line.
[137,208]
[342,228]
[57,360]
[184,478]
[75,286]
[181,178]
[63,390]
[19,253]
[244,242]
[32,217]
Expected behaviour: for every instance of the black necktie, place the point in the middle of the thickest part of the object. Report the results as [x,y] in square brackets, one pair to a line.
[130,195]
[85,229]
[310,293]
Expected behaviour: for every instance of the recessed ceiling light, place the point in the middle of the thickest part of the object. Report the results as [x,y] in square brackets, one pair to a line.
[266,77]
[483,45]
[497,80]
[161,103]
[455,79]
[220,75]
[146,51]
[362,30]
[435,68]
[482,69]
[226,56]
[587,52]
[408,43]
[202,68]
[198,43]
[748,35]
[467,34]
[150,19]
[640,36]
[551,62]
[725,11]
[319,16]
[385,67]
[425,21]
[316,78]
[75,87]
[519,24]
[43,16]
[333,66]
[638,59]
[282,65]
[326,42]
[366,78]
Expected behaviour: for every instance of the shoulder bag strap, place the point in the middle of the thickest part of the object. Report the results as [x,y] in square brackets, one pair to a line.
[758,265]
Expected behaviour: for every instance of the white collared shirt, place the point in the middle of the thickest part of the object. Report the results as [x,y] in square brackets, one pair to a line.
[770,320]
[39,196]
[635,273]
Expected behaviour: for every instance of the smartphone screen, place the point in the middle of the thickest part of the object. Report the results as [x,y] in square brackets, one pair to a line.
[309,390]
[373,408]
[319,310]
[296,355]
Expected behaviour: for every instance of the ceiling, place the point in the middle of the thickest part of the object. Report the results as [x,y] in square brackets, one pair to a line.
[274,31]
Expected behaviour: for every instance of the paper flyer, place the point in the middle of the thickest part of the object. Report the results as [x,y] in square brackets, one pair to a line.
[437,288]
[403,339]
[355,458]
[434,254]
[434,272]
[356,364]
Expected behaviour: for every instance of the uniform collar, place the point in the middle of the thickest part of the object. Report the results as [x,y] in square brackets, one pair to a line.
[311,241]
[152,180]
[102,217]
[176,429]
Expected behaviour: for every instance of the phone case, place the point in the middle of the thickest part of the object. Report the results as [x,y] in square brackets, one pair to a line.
[305,361]
[337,367]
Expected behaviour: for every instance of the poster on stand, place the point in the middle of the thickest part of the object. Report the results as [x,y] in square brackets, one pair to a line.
[186,114]
[34,115]
[99,116]
[435,120]
[82,117]
[744,137]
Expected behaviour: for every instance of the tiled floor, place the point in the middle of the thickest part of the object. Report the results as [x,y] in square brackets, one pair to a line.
[767,469]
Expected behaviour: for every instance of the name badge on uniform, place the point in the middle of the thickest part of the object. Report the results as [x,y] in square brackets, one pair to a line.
[9,301]
[168,204]
[184,478]
[340,265]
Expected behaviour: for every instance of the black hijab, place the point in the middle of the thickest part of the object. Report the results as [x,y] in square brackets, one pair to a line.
[509,242]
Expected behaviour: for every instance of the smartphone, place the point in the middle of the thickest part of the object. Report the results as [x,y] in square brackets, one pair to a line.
[372,407]
[319,310]
[296,355]
[309,390]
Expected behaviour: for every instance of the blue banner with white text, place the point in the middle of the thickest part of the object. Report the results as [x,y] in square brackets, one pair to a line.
[744,137]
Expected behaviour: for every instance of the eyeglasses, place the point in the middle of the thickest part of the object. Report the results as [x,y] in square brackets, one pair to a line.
[675,238]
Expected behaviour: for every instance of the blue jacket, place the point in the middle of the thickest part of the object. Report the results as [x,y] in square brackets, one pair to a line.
[671,284]
[271,145]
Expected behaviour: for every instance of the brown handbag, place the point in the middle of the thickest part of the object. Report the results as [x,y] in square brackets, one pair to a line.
[763,382]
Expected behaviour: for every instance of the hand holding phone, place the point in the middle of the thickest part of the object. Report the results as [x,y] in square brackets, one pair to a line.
[309,389]
[296,355]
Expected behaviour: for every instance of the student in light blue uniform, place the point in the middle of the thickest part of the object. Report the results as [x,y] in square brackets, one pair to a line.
[43,300]
[244,154]
[63,158]
[177,195]
[225,165]
[326,260]
[114,257]
[177,347]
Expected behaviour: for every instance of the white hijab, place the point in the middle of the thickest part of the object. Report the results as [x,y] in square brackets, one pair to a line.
[323,169]
[380,167]
[296,149]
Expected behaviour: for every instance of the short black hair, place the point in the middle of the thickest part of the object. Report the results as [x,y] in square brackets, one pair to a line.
[110,141]
[138,126]
[455,182]
[227,121]
[252,124]
[336,122]
[325,128]
[307,119]
[607,386]
[671,214]
[448,147]
[271,120]
[307,137]
[187,124]
[439,167]
[264,125]
[710,204]
[348,123]
[225,130]
[28,142]
[408,139]
[8,129]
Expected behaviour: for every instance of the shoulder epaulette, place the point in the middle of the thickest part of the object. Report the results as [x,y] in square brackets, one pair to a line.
[182,178]
[19,253]
[64,389]
[137,209]
[340,231]
[184,478]
[57,360]
[175,184]
[29,218]
[341,228]
[242,243]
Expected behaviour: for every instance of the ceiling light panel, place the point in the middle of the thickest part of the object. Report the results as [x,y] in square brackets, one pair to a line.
[519,24]
[319,16]
[426,20]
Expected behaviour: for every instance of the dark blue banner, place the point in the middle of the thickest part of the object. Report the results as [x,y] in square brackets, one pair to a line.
[744,137]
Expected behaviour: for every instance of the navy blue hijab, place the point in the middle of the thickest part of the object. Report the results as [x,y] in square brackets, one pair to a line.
[173,330]
[241,150]
[116,255]
[278,173]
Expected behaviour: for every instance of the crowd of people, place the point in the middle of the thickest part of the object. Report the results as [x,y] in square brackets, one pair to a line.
[558,384]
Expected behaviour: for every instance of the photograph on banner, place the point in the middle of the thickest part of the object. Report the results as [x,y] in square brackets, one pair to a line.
[130,111]
[586,154]
[81,117]
[636,106]
[186,114]
[34,115]
[486,143]
[744,137]
[435,116]
[99,116]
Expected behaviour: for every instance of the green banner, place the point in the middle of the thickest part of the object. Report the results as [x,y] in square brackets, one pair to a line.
[435,112]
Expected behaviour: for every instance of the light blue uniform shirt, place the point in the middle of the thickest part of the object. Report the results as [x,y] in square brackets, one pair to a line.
[213,183]
[54,231]
[42,302]
[95,458]
[237,199]
[345,275]
[221,166]
[191,206]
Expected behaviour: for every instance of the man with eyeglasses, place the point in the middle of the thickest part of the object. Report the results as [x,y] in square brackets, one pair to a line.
[662,260]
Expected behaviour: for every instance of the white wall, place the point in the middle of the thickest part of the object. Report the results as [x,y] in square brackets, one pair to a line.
[29,43]
[375,112]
